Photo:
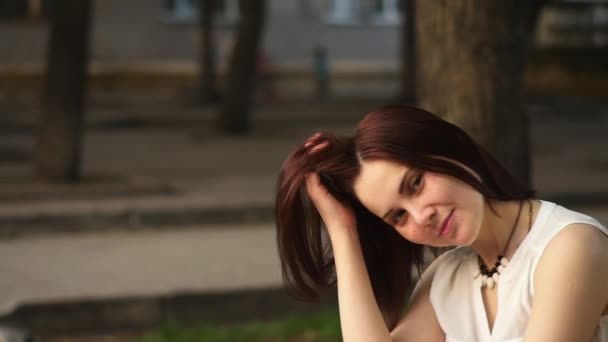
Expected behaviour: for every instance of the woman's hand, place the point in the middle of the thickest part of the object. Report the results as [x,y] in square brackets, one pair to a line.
[334,214]
[338,217]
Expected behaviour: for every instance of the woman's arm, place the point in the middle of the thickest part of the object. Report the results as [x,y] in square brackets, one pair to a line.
[570,290]
[360,317]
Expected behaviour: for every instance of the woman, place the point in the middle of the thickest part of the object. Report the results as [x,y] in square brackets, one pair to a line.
[407,180]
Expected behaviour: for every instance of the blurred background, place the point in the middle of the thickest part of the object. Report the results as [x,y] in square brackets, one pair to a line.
[140,142]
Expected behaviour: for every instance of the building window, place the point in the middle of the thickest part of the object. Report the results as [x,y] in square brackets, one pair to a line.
[343,12]
[181,10]
[227,10]
[386,12]
[25,9]
[186,11]
[574,23]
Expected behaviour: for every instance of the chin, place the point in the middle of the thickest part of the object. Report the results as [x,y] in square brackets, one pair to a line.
[466,242]
[445,245]
[459,241]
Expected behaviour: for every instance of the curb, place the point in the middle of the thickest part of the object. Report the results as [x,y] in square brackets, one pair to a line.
[136,314]
[130,219]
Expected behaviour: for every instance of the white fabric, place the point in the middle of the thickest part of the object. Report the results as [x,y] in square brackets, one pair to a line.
[456,296]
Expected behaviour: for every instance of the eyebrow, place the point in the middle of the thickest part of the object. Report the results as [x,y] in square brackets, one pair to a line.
[400,192]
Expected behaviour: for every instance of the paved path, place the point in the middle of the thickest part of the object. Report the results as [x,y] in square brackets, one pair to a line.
[130,264]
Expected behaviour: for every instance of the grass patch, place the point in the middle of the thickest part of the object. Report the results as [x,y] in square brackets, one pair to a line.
[318,327]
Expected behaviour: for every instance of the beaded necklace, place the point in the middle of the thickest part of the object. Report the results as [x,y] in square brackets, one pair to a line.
[490,277]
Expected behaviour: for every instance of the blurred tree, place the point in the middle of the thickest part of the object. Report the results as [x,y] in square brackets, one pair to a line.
[470,64]
[209,91]
[407,86]
[235,112]
[58,148]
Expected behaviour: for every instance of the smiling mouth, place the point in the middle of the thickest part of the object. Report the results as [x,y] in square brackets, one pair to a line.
[446,224]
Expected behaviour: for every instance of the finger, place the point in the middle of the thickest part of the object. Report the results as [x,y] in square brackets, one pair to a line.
[310,141]
[316,135]
[319,147]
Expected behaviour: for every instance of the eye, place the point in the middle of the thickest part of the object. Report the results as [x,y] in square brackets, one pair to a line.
[398,216]
[417,183]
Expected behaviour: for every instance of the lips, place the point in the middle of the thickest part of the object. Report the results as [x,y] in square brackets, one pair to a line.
[446,225]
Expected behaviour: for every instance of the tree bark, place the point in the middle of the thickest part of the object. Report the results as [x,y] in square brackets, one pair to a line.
[209,92]
[407,87]
[471,56]
[57,155]
[235,114]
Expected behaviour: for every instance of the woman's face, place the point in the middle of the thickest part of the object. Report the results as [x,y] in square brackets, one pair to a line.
[424,207]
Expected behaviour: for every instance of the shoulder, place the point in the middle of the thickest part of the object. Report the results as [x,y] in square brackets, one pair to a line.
[453,261]
[447,262]
[444,277]
[422,312]
[443,261]
[558,217]
[578,251]
[573,269]
[566,236]
[578,240]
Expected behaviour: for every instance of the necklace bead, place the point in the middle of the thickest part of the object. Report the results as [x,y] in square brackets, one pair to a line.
[495,277]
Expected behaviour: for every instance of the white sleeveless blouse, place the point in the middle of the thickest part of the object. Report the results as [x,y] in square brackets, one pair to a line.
[456,296]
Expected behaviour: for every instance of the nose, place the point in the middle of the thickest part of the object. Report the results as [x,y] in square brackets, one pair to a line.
[423,215]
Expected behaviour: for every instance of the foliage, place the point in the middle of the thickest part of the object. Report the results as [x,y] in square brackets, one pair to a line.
[319,327]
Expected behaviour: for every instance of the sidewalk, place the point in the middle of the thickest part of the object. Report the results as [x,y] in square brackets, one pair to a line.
[181,263]
[188,212]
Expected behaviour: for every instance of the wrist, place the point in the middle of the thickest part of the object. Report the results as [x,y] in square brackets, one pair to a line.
[344,237]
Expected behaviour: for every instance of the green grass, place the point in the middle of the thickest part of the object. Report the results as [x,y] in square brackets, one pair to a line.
[318,327]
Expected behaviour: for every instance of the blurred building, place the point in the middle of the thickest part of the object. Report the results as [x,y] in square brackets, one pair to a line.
[360,38]
[574,23]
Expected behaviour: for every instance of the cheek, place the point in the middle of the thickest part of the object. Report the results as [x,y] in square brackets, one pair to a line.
[468,228]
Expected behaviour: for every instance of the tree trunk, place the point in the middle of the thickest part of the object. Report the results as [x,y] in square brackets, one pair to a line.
[471,56]
[59,138]
[235,116]
[407,87]
[209,92]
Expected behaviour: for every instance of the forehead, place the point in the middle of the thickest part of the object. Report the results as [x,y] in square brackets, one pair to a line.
[378,183]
